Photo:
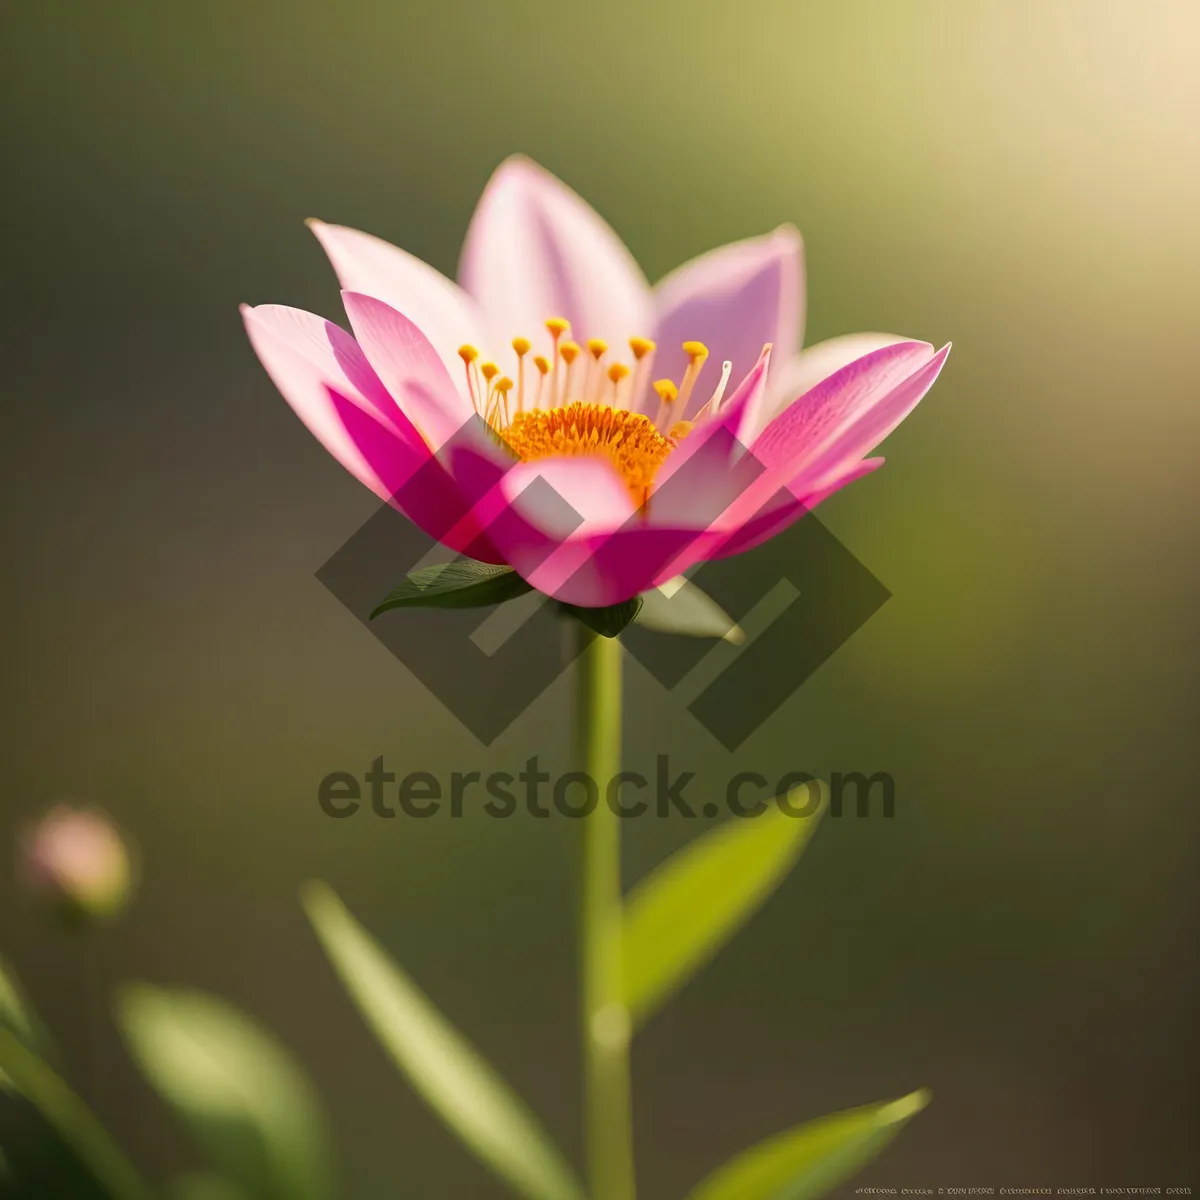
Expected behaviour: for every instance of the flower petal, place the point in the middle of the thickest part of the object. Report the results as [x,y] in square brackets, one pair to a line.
[409,366]
[446,315]
[734,300]
[866,426]
[803,372]
[536,250]
[416,482]
[304,356]
[787,506]
[807,425]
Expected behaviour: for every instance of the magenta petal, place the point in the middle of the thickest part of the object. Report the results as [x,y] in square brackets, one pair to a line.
[786,507]
[438,307]
[801,374]
[416,482]
[807,424]
[536,250]
[409,367]
[304,356]
[867,425]
[734,300]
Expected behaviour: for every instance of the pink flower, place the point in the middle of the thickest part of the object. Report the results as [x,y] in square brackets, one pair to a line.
[568,461]
[76,862]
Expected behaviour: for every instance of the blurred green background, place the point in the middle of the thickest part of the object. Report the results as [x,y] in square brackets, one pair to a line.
[1022,177]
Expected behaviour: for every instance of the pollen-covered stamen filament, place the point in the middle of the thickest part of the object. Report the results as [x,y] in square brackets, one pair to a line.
[668,393]
[569,351]
[557,327]
[521,345]
[502,388]
[697,352]
[643,355]
[617,372]
[489,371]
[543,365]
[469,354]
[597,348]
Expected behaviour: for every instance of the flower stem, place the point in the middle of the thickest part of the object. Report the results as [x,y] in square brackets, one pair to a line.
[606,1026]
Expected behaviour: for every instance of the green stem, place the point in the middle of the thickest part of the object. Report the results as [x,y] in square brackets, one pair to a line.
[606,1026]
[72,1119]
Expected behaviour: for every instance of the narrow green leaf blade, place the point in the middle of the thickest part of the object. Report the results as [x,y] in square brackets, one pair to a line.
[680,607]
[808,1162]
[463,583]
[609,621]
[71,1119]
[207,1187]
[17,1016]
[683,912]
[247,1102]
[461,1088]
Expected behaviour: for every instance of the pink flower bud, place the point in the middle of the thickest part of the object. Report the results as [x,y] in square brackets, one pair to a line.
[76,863]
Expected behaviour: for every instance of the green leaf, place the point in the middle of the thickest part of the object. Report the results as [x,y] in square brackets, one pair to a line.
[811,1160]
[249,1105]
[679,606]
[463,583]
[609,621]
[683,912]
[17,1016]
[464,1091]
[71,1119]
[207,1187]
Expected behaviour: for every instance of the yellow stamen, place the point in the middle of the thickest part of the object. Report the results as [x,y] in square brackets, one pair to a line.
[597,348]
[469,354]
[543,365]
[643,355]
[557,327]
[503,387]
[521,346]
[680,430]
[490,371]
[668,393]
[569,352]
[616,372]
[629,440]
[697,352]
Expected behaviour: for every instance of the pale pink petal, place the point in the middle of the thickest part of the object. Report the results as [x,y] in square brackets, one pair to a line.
[409,367]
[443,312]
[807,425]
[866,427]
[795,377]
[734,300]
[304,356]
[569,496]
[536,250]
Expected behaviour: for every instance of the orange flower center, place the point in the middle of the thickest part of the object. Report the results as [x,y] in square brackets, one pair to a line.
[628,440]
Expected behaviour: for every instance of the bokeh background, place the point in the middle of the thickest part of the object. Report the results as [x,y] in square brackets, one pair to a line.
[1022,177]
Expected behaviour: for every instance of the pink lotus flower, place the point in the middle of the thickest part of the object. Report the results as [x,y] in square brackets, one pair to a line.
[569,462]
